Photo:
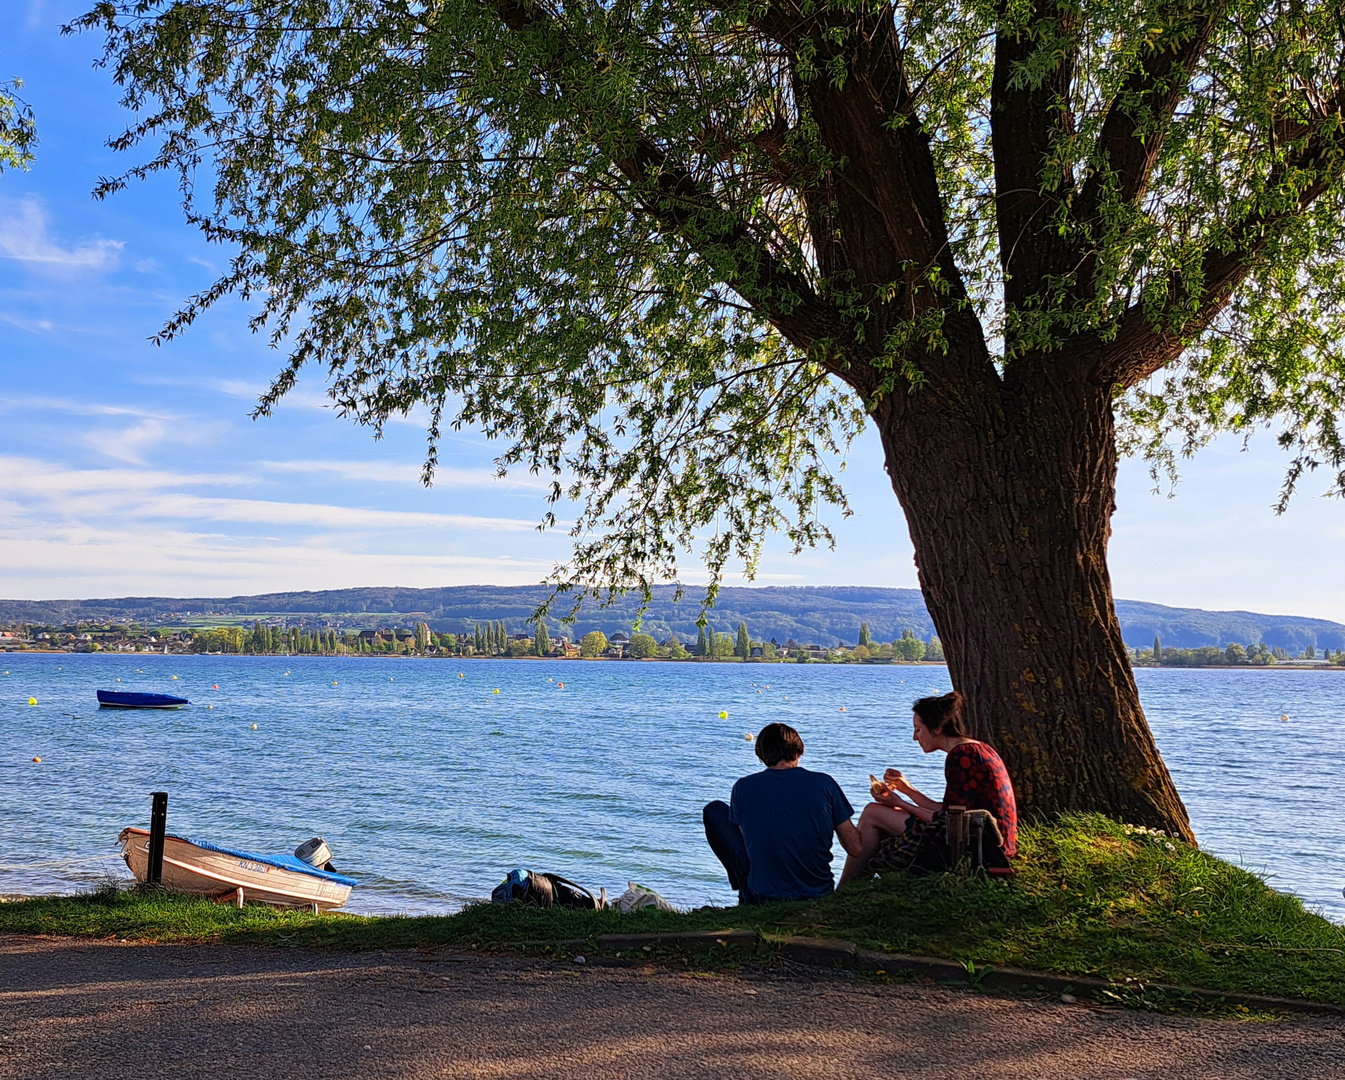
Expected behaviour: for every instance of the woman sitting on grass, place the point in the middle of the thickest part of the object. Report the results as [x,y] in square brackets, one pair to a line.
[897,834]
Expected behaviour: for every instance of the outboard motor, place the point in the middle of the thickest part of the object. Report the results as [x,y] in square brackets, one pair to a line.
[316,853]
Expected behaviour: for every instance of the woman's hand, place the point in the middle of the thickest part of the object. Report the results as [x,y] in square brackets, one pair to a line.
[892,799]
[896,779]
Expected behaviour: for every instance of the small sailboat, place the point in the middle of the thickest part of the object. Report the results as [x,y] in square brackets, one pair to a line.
[120,699]
[231,876]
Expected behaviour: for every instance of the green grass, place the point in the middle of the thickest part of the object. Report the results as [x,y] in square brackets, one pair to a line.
[1091,897]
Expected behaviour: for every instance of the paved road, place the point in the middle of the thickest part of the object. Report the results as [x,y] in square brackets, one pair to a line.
[88,1011]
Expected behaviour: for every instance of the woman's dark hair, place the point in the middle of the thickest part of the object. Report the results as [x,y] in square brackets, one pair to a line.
[777,743]
[942,715]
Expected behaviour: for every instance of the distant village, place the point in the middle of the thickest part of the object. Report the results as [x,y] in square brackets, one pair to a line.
[491,639]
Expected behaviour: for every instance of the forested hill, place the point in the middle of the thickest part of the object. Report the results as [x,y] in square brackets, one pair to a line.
[825,615]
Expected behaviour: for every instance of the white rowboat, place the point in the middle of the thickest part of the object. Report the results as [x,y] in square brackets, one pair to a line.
[204,869]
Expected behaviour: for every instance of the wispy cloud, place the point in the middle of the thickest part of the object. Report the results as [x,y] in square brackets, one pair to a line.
[403,473]
[113,531]
[25,237]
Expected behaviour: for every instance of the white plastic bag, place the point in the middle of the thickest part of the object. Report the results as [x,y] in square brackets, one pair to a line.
[637,896]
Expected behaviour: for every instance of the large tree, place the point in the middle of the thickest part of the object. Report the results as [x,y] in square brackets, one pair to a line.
[675,255]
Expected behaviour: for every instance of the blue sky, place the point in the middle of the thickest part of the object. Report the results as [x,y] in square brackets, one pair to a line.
[130,469]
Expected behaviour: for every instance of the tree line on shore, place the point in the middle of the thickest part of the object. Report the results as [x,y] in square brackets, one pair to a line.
[493,639]
[1258,654]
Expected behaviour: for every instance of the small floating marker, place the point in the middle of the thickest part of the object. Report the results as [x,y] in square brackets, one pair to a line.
[561,685]
[32,701]
[460,675]
[174,676]
[333,682]
[748,736]
[1284,716]
[723,714]
[841,709]
[254,727]
[215,687]
[210,706]
[37,761]
[287,673]
[497,690]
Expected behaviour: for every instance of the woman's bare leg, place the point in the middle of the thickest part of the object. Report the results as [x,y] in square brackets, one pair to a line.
[875,822]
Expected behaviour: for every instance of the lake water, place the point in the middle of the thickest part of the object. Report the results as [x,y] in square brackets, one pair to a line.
[428,786]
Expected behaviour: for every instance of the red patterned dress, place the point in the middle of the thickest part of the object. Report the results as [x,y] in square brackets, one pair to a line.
[977,779]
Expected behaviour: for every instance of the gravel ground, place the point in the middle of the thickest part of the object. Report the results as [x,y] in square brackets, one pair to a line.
[83,1010]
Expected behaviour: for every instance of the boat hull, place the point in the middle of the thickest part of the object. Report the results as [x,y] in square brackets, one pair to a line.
[199,871]
[119,699]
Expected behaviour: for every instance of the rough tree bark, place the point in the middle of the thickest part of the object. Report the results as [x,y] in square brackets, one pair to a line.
[1008,494]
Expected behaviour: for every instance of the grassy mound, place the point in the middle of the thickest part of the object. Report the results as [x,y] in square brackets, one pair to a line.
[1091,897]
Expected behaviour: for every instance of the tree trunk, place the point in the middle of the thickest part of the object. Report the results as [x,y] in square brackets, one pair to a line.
[1008,492]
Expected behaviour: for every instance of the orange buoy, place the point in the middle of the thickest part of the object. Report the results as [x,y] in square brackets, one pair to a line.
[37,760]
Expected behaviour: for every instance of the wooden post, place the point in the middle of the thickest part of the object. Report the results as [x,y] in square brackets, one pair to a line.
[158,824]
[957,833]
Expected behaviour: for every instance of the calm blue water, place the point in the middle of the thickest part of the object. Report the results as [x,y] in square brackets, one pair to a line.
[428,787]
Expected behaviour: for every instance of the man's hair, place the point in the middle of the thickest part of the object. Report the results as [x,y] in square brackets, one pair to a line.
[942,715]
[777,743]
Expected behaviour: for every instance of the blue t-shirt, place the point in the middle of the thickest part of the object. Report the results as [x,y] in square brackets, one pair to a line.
[787,817]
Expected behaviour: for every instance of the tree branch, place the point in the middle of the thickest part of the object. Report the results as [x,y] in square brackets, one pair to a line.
[1144,343]
[1137,121]
[684,206]
[1030,116]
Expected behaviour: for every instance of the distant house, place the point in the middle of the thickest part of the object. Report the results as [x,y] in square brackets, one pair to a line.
[619,639]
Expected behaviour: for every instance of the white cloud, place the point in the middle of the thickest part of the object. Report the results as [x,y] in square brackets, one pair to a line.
[24,237]
[446,476]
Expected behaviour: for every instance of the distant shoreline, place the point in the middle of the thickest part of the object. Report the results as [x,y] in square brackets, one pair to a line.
[645,660]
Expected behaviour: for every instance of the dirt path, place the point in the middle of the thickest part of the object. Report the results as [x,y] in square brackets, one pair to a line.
[88,1011]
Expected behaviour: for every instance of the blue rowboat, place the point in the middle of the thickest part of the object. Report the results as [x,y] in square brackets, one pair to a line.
[119,699]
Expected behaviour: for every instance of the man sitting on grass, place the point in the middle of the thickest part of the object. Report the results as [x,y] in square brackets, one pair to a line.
[774,835]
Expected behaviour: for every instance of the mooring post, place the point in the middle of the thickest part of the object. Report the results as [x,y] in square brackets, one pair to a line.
[158,824]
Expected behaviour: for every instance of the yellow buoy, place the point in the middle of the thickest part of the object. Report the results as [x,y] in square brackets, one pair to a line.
[460,675]
[32,701]
[37,760]
[175,676]
[497,690]
[723,714]
[333,682]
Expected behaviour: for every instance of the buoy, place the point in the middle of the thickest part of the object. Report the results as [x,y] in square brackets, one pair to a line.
[497,690]
[118,680]
[561,685]
[215,687]
[254,727]
[175,676]
[37,761]
[287,673]
[723,714]
[460,675]
[333,682]
[210,706]
[32,701]
[1284,717]
[841,709]
[748,736]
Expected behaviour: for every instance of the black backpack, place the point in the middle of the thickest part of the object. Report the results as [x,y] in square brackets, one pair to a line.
[543,890]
